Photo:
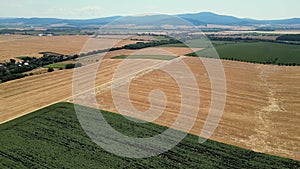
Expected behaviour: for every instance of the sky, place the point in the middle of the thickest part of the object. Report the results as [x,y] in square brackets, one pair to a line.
[83,9]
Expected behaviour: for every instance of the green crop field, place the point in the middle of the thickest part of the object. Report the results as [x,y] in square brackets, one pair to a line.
[53,138]
[256,52]
[157,57]
[199,43]
[57,65]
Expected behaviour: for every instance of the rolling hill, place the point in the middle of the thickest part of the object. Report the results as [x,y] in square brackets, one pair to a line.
[202,18]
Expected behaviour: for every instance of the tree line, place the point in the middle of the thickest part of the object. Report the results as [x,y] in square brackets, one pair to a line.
[266,62]
[14,70]
[289,37]
[136,46]
[284,39]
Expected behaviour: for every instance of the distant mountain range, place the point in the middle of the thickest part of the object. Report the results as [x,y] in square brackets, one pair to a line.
[211,18]
[197,19]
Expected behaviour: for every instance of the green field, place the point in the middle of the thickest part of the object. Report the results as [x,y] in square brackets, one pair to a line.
[53,138]
[199,43]
[57,65]
[256,52]
[157,57]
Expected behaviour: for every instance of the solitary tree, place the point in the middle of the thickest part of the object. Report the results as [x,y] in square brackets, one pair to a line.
[12,61]
[50,69]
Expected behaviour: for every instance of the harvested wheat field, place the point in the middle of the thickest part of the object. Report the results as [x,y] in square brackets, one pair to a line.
[261,111]
[105,43]
[22,96]
[12,46]
[32,45]
[7,38]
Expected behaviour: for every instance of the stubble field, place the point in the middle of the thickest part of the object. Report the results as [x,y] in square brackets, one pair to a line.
[32,45]
[261,110]
[12,46]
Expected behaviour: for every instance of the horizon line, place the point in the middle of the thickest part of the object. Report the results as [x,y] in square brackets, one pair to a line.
[138,15]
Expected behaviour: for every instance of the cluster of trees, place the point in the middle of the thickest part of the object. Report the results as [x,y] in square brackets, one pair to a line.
[14,70]
[138,45]
[284,39]
[141,45]
[230,38]
[265,29]
[53,31]
[289,38]
[72,66]
[93,52]
[266,62]
[50,69]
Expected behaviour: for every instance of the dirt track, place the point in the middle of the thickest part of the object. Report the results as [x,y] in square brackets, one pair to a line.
[261,113]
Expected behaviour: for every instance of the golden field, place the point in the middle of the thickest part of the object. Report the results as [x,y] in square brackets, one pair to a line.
[261,111]
[262,104]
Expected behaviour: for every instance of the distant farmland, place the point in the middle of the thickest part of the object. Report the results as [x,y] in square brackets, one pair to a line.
[199,43]
[256,52]
[52,137]
[17,45]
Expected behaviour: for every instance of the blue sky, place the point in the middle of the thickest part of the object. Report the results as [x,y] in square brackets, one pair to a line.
[82,9]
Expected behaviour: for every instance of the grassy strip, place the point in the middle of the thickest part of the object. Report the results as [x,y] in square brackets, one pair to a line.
[57,65]
[157,57]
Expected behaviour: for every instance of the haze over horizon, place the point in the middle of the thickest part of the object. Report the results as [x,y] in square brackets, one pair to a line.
[261,10]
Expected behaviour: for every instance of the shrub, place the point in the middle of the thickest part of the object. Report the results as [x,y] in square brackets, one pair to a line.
[50,69]
[70,66]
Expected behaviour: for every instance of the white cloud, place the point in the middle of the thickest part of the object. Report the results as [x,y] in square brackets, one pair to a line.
[90,11]
[83,12]
[78,13]
[91,8]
